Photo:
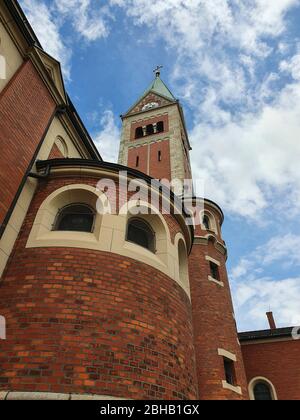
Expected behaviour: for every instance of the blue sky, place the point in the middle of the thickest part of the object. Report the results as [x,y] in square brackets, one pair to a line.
[235,66]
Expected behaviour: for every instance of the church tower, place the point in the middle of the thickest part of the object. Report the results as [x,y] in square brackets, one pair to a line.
[155,141]
[154,138]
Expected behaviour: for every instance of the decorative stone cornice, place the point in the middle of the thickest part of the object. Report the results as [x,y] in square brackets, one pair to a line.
[204,240]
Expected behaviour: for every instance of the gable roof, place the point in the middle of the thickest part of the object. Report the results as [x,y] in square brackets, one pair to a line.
[54,74]
[157,87]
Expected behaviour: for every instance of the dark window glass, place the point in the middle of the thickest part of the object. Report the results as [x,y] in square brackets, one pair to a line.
[150,129]
[139,133]
[137,162]
[214,270]
[159,156]
[160,127]
[229,371]
[140,233]
[206,222]
[75,218]
[262,392]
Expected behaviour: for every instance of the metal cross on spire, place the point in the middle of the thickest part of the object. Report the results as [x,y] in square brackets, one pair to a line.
[157,70]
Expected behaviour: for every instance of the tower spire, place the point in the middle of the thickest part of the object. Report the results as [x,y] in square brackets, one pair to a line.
[157,70]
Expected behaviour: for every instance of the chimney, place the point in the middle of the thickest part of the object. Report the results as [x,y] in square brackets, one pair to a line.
[271,320]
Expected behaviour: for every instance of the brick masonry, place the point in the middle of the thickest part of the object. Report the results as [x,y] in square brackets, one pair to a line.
[92,322]
[140,153]
[141,123]
[25,110]
[55,153]
[278,362]
[160,169]
[214,324]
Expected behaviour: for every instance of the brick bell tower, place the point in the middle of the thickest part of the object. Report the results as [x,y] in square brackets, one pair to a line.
[154,138]
[155,141]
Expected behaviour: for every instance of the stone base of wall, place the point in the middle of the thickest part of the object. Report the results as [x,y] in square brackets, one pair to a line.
[49,396]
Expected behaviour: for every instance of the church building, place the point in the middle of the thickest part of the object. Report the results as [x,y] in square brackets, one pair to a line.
[107,290]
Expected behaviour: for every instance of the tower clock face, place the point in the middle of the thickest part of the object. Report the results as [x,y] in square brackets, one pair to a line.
[150,105]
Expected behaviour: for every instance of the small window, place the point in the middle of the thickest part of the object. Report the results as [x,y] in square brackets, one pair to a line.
[139,133]
[140,233]
[229,371]
[159,156]
[214,270]
[160,127]
[137,163]
[206,222]
[262,392]
[75,218]
[150,129]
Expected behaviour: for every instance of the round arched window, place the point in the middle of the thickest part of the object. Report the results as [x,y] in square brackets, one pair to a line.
[262,392]
[75,218]
[140,233]
[206,222]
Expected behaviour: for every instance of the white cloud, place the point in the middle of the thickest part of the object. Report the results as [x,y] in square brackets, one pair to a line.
[47,31]
[88,21]
[292,66]
[246,125]
[255,294]
[253,298]
[108,137]
[244,160]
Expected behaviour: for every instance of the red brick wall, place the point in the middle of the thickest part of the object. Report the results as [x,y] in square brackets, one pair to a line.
[55,153]
[164,118]
[278,362]
[157,169]
[25,110]
[142,153]
[214,325]
[85,321]
[160,169]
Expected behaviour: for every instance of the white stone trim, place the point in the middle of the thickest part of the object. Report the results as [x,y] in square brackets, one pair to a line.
[212,221]
[227,354]
[219,283]
[208,258]
[49,396]
[254,381]
[109,234]
[236,389]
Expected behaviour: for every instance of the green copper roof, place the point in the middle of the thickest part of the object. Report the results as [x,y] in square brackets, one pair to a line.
[160,88]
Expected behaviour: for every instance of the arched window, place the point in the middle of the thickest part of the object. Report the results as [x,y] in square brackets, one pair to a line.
[139,133]
[262,392]
[75,218]
[183,263]
[206,222]
[140,233]
[150,129]
[160,127]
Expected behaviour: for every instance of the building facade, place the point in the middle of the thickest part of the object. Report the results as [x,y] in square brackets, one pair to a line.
[107,289]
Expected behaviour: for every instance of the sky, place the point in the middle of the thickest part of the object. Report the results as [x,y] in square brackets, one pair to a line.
[235,67]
